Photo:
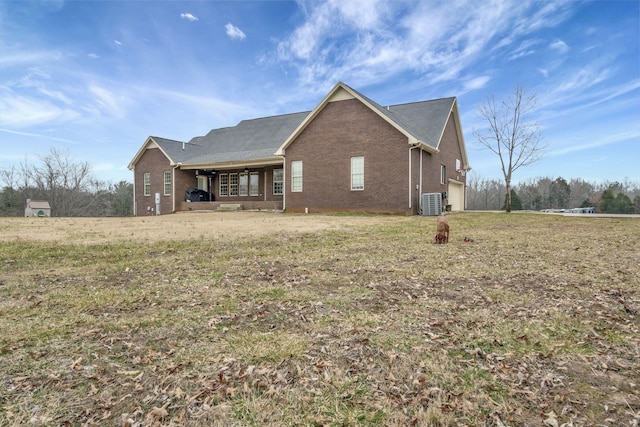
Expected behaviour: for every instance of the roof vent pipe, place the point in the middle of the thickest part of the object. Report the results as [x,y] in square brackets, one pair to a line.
[183,145]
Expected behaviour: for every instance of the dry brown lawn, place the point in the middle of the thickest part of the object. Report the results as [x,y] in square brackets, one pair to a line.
[265,319]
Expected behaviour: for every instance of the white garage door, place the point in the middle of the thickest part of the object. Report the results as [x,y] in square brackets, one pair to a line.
[456,195]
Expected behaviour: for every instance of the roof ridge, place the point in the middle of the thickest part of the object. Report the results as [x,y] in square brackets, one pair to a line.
[423,101]
[272,116]
[167,139]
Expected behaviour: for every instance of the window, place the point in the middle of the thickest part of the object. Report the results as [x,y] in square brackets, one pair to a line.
[254,179]
[233,184]
[147,183]
[278,181]
[357,173]
[296,175]
[244,184]
[224,184]
[167,183]
[443,174]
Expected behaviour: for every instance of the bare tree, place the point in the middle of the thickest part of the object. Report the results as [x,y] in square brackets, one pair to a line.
[62,180]
[509,135]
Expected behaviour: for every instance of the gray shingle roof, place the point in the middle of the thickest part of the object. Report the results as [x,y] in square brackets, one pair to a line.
[259,139]
[178,151]
[253,139]
[424,120]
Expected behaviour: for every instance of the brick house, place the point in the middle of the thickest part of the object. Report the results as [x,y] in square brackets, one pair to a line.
[349,154]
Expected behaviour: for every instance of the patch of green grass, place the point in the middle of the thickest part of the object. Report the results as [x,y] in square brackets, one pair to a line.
[259,347]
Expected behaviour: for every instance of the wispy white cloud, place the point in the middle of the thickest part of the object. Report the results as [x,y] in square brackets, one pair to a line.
[188,17]
[93,56]
[13,58]
[560,46]
[19,111]
[437,40]
[476,82]
[588,142]
[36,135]
[118,42]
[234,32]
[109,102]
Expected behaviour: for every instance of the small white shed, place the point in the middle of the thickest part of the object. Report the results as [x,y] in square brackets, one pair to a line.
[37,208]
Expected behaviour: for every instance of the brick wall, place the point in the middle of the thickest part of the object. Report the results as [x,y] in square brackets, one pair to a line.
[341,130]
[156,163]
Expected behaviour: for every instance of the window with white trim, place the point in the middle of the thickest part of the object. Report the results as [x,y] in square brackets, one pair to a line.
[224,184]
[244,184]
[254,184]
[357,173]
[278,181]
[167,183]
[147,183]
[443,174]
[296,175]
[233,184]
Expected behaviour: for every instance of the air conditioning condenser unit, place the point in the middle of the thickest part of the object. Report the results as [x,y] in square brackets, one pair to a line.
[431,204]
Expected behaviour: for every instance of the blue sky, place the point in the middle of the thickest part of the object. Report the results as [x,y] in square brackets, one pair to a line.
[97,77]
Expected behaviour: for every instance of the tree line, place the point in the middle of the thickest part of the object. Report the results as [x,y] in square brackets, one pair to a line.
[71,190]
[549,193]
[67,185]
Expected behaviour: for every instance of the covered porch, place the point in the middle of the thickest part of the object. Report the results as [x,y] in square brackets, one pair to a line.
[229,187]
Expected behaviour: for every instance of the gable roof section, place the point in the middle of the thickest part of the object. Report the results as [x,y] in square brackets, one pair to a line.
[422,122]
[169,147]
[428,120]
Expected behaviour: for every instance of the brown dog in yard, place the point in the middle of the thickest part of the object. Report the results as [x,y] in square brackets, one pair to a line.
[442,227]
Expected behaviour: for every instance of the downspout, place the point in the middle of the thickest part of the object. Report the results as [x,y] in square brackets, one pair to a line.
[414,145]
[420,185]
[284,184]
[135,206]
[173,186]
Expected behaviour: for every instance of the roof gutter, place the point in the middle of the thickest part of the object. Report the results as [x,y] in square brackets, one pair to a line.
[414,142]
[235,164]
